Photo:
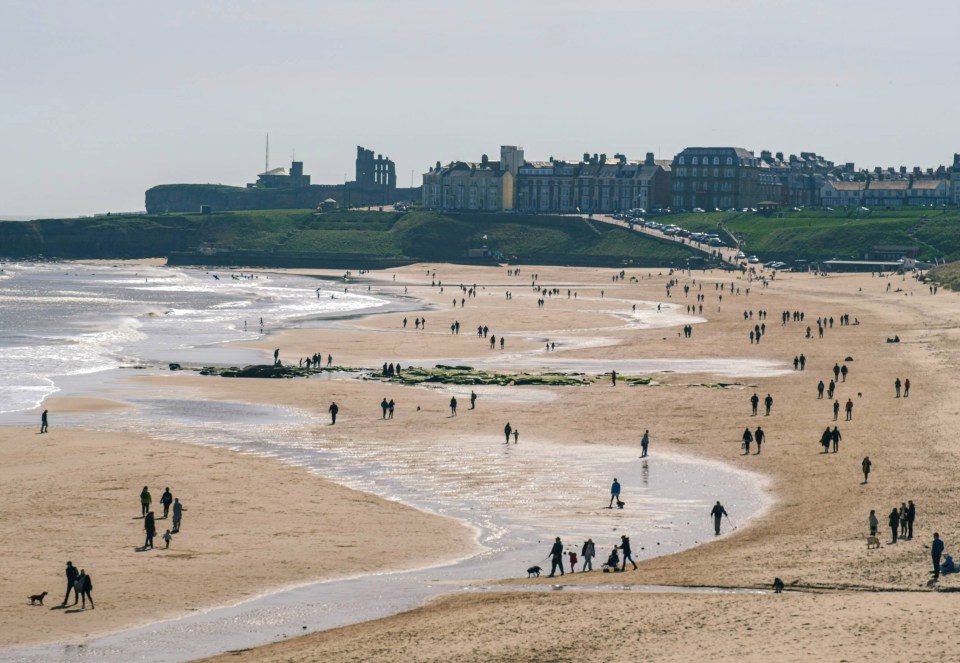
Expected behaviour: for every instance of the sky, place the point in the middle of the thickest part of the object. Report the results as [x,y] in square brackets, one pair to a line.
[101,100]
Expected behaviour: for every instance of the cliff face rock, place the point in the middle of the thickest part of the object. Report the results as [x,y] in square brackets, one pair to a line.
[96,238]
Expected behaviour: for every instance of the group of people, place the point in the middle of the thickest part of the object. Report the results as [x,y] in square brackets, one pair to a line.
[588,551]
[80,583]
[169,502]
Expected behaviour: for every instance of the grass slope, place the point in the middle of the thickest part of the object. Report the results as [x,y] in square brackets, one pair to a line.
[845,234]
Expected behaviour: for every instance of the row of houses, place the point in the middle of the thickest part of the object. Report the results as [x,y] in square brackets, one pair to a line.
[710,178]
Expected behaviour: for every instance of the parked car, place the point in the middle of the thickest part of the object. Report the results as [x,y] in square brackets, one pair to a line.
[753,260]
[741,255]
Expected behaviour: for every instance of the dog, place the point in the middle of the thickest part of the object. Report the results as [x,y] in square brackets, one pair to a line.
[534,572]
[620,504]
[37,598]
[859,394]
[873,542]
[777,585]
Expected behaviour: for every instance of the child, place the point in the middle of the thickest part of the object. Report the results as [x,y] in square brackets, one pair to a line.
[573,561]
[167,538]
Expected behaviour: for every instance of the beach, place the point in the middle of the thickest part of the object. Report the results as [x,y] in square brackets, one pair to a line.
[268,516]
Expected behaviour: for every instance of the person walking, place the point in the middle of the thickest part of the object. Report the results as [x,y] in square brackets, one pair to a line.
[627,553]
[865,464]
[333,409]
[754,402]
[936,550]
[803,362]
[145,501]
[836,410]
[759,436]
[166,500]
[836,372]
[896,386]
[820,389]
[835,437]
[849,409]
[588,552]
[556,555]
[506,432]
[893,520]
[614,492]
[383,407]
[644,443]
[843,372]
[717,512]
[150,529]
[453,406]
[911,516]
[874,522]
[473,400]
[768,403]
[613,378]
[747,438]
[86,586]
[72,574]
[43,422]
[177,514]
[516,435]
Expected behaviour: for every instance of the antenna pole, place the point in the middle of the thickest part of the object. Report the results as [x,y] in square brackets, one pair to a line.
[266,161]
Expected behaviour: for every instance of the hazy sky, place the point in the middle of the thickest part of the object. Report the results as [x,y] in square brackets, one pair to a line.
[101,100]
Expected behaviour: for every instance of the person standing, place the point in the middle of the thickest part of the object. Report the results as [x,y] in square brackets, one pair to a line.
[150,529]
[849,409]
[588,552]
[820,389]
[86,586]
[866,465]
[627,553]
[896,386]
[43,422]
[893,520]
[614,492]
[911,516]
[473,400]
[145,501]
[803,362]
[516,435]
[936,550]
[717,512]
[836,372]
[843,372]
[754,402]
[747,438]
[506,432]
[177,514]
[166,500]
[874,522]
[759,436]
[906,388]
[383,407]
[768,403]
[453,406]
[836,410]
[333,409]
[835,437]
[556,555]
[644,443]
[72,574]
[613,378]
[390,407]
[903,520]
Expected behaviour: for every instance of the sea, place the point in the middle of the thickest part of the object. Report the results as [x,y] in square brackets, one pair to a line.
[59,320]
[78,328]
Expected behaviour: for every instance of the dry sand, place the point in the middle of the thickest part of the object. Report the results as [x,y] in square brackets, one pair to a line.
[813,536]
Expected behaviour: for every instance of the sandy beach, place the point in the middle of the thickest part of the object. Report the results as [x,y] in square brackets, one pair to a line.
[842,601]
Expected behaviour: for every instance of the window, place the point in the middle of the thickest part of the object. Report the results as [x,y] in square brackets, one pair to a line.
[716,161]
[681,161]
[729,161]
[695,161]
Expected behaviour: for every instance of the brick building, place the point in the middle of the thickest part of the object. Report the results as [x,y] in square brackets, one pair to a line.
[722,178]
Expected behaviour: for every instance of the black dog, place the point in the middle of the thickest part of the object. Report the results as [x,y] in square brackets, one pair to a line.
[620,504]
[777,585]
[37,598]
[534,571]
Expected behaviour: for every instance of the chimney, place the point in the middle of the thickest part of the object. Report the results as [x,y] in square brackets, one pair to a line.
[780,156]
[650,162]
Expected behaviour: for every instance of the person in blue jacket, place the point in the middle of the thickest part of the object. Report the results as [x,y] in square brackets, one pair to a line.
[614,492]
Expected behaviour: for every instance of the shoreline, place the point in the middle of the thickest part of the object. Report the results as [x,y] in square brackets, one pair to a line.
[702,565]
